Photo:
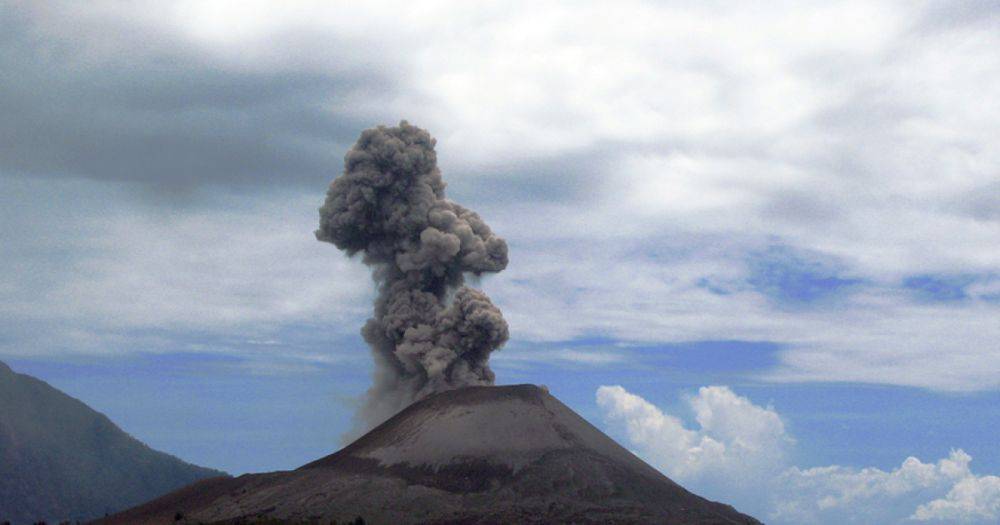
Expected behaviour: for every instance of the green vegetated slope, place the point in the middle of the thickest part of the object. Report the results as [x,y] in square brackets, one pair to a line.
[61,460]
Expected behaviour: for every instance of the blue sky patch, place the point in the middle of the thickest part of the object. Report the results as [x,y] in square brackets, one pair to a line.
[794,278]
[938,287]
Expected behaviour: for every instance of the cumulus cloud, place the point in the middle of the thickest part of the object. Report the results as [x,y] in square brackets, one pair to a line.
[871,494]
[740,452]
[664,172]
[972,498]
[735,439]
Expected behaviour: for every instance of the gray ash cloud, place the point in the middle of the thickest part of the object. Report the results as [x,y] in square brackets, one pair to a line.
[429,333]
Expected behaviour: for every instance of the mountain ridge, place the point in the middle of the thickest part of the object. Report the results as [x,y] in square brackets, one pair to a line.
[62,460]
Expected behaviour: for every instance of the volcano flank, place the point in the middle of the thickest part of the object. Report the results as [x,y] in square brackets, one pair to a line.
[481,454]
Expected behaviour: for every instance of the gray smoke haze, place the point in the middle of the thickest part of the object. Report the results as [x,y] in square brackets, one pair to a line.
[429,333]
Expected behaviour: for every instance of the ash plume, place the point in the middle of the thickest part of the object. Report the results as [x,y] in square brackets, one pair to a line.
[428,333]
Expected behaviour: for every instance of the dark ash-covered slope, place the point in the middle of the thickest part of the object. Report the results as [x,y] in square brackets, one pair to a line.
[511,454]
[61,460]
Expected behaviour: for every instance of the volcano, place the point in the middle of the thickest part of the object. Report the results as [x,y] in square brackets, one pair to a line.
[488,454]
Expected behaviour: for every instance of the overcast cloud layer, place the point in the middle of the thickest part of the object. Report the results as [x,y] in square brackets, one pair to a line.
[822,176]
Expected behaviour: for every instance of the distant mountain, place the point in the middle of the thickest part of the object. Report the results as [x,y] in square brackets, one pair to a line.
[491,455]
[61,460]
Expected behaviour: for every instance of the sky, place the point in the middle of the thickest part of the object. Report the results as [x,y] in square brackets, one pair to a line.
[755,243]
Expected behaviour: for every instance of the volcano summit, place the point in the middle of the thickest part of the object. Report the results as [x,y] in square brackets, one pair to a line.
[458,449]
[483,454]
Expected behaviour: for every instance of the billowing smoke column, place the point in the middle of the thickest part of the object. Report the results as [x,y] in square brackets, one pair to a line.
[428,332]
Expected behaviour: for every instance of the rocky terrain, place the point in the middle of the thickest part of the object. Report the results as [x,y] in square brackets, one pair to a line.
[507,454]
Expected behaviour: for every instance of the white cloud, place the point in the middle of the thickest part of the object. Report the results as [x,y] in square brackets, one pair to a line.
[736,442]
[570,356]
[655,291]
[635,154]
[739,454]
[826,493]
[133,278]
[972,498]
[860,131]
